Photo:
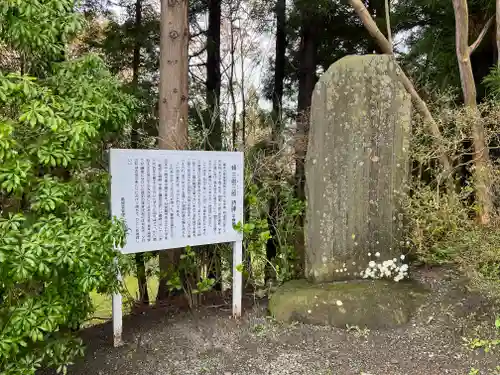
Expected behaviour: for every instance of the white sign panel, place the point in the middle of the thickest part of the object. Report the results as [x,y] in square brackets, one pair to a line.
[172,199]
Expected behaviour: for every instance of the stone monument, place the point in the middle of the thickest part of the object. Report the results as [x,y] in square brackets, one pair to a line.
[356,168]
[357,163]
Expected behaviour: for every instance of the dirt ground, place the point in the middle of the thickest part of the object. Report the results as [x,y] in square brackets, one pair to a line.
[208,341]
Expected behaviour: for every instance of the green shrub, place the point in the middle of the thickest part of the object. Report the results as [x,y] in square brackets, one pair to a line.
[434,221]
[267,179]
[479,258]
[441,224]
[56,238]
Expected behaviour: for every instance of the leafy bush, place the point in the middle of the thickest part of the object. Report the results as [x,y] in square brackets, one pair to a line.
[267,178]
[434,221]
[492,82]
[479,258]
[441,223]
[36,31]
[56,238]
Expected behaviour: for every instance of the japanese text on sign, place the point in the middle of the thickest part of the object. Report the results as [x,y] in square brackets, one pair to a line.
[172,199]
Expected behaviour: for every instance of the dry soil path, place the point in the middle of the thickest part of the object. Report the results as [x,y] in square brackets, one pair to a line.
[209,342]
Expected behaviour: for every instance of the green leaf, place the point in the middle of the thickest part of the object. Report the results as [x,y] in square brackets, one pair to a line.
[59,246]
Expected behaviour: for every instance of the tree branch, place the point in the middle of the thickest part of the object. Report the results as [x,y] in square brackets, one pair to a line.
[198,53]
[197,65]
[480,38]
[371,26]
[196,35]
[386,48]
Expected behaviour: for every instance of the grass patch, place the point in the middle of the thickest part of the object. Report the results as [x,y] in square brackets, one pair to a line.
[103,302]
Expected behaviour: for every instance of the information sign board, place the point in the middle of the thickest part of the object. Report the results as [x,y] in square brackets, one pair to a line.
[172,199]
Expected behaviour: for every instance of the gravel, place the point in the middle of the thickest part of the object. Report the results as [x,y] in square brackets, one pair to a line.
[210,342]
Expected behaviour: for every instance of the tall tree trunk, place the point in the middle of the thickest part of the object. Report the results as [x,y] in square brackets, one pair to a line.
[279,68]
[213,83]
[136,62]
[481,152]
[173,105]
[243,124]
[243,96]
[277,124]
[388,30]
[232,62]
[212,118]
[307,80]
[497,30]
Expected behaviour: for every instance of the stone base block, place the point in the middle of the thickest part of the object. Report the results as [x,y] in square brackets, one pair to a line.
[374,304]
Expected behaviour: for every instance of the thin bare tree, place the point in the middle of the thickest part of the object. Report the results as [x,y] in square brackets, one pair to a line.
[386,47]
[481,156]
[136,63]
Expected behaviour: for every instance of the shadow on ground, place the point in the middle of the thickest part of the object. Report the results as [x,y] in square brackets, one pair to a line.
[208,341]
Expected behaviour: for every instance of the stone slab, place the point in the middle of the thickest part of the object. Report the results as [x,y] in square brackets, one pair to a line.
[373,304]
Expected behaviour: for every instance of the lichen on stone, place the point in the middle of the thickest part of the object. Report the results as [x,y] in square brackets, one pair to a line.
[351,174]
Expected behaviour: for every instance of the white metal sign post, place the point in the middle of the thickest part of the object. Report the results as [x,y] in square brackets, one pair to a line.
[171,199]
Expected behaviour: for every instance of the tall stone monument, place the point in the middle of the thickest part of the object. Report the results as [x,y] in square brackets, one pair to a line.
[356,168]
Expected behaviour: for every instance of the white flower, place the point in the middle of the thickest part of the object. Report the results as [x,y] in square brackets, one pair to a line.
[402,257]
[368,273]
[404,267]
[377,254]
[369,254]
[372,264]
[394,260]
[339,303]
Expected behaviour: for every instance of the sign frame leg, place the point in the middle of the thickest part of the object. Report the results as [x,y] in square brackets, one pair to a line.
[117,315]
[237,278]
